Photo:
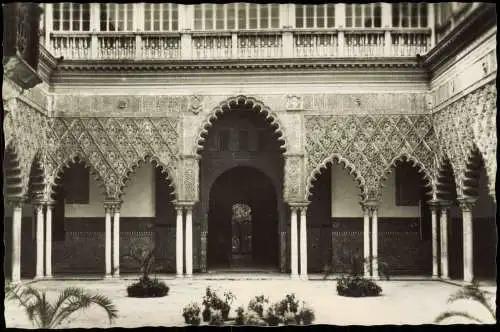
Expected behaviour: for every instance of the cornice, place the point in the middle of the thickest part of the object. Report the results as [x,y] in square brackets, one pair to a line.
[468,30]
[47,63]
[234,64]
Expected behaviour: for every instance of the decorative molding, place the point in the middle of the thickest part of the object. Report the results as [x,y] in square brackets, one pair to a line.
[369,146]
[196,104]
[294,103]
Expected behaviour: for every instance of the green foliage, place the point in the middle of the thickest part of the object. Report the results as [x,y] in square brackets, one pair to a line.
[257,305]
[191,314]
[212,302]
[355,286]
[44,314]
[469,292]
[147,287]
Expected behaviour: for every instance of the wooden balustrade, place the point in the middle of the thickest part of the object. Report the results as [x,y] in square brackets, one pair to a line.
[241,44]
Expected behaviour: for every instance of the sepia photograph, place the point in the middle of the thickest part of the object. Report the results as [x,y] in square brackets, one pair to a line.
[249,164]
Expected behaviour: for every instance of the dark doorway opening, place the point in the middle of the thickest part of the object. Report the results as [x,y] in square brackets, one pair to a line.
[243,221]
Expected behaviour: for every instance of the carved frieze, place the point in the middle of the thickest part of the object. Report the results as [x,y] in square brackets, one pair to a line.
[369,145]
[465,124]
[114,146]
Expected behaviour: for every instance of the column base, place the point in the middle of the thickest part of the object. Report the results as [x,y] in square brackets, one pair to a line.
[49,277]
[294,277]
[116,276]
[179,276]
[375,277]
[188,276]
[435,276]
[108,276]
[304,277]
[445,278]
[38,278]
[367,275]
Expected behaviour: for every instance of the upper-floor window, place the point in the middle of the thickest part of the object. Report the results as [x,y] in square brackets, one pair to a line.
[315,16]
[116,17]
[161,17]
[236,16]
[363,15]
[409,15]
[71,17]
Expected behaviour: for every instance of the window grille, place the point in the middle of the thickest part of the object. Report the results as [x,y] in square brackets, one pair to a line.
[71,17]
[363,16]
[315,16]
[409,15]
[232,16]
[116,17]
[161,17]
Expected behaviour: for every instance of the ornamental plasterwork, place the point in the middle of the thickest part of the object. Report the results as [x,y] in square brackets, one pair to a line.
[468,123]
[24,130]
[369,146]
[294,103]
[196,104]
[113,147]
[293,174]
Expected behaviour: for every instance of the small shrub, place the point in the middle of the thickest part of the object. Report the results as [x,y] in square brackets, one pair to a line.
[191,314]
[211,301]
[240,316]
[288,305]
[147,287]
[257,304]
[216,318]
[253,318]
[272,318]
[355,286]
[306,315]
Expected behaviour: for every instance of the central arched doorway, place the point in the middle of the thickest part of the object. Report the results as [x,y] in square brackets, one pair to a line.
[243,221]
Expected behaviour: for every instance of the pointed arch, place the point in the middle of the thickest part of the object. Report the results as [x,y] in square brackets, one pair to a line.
[75,157]
[406,157]
[13,181]
[37,178]
[445,181]
[125,178]
[231,103]
[470,178]
[350,167]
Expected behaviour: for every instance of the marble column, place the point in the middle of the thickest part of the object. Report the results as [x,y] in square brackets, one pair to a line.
[178,242]
[366,241]
[444,240]
[48,240]
[466,204]
[375,274]
[116,241]
[303,243]
[16,240]
[189,241]
[434,215]
[39,240]
[294,244]
[107,240]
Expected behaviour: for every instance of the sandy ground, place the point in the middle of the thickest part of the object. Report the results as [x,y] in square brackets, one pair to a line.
[402,302]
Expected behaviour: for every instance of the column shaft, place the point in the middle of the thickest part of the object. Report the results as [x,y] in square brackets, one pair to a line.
[39,241]
[294,244]
[444,243]
[48,241]
[116,243]
[303,243]
[178,243]
[468,248]
[366,242]
[374,244]
[434,242]
[16,242]
[107,242]
[189,241]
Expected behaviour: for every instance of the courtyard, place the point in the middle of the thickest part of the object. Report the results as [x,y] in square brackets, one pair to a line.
[402,301]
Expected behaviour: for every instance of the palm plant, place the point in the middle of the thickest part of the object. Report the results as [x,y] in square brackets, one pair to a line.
[44,314]
[469,292]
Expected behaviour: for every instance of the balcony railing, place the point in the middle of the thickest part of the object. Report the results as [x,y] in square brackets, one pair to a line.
[240,44]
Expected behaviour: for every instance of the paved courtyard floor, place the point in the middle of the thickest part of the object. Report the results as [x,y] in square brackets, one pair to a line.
[402,302]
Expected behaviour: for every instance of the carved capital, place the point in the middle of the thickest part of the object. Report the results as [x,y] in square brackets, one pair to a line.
[112,205]
[467,203]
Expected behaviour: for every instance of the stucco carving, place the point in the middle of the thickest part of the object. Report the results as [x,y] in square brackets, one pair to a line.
[24,130]
[369,145]
[468,123]
[114,147]
[293,175]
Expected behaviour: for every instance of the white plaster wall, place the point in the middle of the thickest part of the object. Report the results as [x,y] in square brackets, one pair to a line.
[345,197]
[345,194]
[138,200]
